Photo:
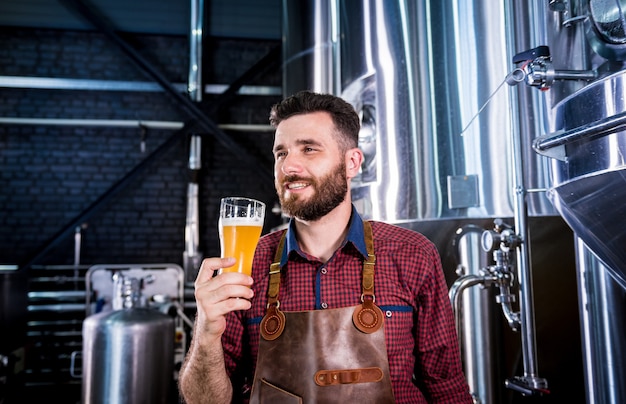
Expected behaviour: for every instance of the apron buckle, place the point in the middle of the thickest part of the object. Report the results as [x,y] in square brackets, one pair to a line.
[368,317]
[273,323]
[348,376]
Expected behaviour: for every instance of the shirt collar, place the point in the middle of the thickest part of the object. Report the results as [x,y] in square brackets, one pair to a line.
[355,235]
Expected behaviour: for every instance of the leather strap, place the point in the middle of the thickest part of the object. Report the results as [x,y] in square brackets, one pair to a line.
[273,322]
[368,264]
[274,286]
[367,317]
[348,376]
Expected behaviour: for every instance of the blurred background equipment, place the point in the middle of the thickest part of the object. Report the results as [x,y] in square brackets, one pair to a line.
[128,352]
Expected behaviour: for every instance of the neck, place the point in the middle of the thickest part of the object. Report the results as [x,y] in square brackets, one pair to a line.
[322,237]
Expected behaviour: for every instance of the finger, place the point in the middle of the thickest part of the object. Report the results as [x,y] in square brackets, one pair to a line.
[225,286]
[210,265]
[221,295]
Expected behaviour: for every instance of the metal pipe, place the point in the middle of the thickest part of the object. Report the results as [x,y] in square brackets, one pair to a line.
[593,130]
[527,320]
[457,289]
[117,123]
[57,307]
[58,295]
[77,241]
[575,74]
[505,298]
[520,213]
[192,257]
[56,83]
[195,50]
[523,270]
[474,314]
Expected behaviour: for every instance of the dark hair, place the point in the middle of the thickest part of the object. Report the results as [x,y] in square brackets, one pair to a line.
[344,116]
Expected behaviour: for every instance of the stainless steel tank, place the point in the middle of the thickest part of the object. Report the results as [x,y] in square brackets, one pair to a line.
[589,186]
[437,119]
[585,143]
[440,122]
[128,356]
[428,79]
[311,46]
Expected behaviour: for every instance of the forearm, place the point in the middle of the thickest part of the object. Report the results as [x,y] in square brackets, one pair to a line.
[203,377]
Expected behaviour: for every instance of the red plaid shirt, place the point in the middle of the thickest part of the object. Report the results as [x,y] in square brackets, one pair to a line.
[410,288]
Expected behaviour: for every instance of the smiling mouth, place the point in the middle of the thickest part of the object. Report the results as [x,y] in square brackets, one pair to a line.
[296,185]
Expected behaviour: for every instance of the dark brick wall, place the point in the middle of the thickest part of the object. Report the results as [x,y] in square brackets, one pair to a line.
[49,175]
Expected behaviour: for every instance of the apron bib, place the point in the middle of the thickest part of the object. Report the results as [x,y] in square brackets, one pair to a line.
[323,356]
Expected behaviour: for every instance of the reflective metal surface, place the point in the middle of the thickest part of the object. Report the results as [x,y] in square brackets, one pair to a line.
[586,145]
[196,23]
[445,140]
[128,357]
[606,28]
[601,303]
[475,318]
[419,82]
[590,181]
[310,50]
[128,352]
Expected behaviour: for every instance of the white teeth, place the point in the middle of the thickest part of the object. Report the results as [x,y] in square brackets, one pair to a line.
[297,185]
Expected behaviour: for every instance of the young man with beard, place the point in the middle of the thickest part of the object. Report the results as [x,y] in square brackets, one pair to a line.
[337,309]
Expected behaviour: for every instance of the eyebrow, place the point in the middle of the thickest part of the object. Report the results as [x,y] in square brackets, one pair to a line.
[299,142]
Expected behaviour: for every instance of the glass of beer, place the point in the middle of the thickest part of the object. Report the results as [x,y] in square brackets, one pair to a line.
[240,225]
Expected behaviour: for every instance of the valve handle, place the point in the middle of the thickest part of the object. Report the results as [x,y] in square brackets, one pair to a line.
[520,385]
[531,54]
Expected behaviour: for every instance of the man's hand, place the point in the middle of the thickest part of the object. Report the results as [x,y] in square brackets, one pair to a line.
[217,296]
[203,377]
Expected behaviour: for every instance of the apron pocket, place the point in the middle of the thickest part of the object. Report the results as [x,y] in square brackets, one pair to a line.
[269,393]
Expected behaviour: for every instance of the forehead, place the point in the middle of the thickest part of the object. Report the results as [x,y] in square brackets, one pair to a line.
[315,126]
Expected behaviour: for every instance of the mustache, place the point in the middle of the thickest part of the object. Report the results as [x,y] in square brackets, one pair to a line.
[296,178]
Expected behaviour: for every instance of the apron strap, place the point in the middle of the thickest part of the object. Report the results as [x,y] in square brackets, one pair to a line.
[274,283]
[368,266]
[273,322]
[367,317]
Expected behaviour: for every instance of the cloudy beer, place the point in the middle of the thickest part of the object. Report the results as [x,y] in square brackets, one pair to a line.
[240,226]
[239,238]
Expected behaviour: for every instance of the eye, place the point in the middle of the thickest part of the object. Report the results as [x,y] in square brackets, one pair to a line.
[279,155]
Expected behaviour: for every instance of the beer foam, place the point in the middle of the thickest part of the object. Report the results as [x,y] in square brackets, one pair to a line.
[241,221]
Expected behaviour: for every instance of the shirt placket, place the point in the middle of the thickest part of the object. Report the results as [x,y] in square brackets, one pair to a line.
[321,302]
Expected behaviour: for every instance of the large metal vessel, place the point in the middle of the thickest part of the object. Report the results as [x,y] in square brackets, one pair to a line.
[128,355]
[432,151]
[585,143]
[451,140]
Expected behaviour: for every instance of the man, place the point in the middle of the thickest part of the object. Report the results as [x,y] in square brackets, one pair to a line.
[337,308]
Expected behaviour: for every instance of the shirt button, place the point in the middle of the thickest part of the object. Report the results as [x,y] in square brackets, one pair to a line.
[324,271]
[388,313]
[324,305]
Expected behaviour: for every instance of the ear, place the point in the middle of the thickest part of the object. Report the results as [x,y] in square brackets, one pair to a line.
[354,159]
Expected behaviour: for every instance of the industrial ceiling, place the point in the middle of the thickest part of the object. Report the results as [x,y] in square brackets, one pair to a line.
[254,19]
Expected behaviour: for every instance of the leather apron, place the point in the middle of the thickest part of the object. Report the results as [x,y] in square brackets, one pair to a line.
[323,356]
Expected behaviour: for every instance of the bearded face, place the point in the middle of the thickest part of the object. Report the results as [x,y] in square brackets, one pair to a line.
[329,191]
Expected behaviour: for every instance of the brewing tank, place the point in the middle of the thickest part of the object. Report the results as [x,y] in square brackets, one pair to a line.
[436,118]
[128,356]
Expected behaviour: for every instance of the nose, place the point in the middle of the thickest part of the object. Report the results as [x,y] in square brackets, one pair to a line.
[290,164]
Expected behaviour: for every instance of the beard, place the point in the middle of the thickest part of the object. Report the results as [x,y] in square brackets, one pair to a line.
[330,191]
